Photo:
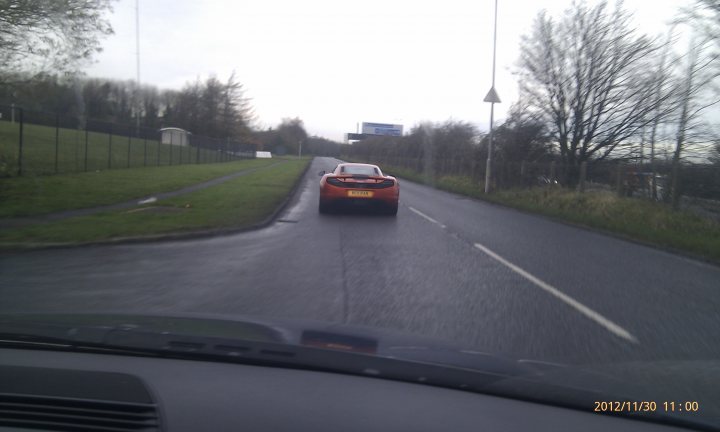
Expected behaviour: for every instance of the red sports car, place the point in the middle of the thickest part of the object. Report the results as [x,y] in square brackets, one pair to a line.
[358,184]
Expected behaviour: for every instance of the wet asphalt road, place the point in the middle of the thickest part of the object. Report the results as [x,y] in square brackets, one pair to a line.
[483,276]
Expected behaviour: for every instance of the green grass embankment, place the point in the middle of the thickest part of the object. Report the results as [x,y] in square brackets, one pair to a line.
[37,195]
[237,203]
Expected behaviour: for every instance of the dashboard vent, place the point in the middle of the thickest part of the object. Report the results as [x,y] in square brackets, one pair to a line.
[58,414]
[75,401]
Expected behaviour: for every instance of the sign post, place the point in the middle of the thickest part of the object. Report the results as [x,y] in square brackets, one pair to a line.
[493,98]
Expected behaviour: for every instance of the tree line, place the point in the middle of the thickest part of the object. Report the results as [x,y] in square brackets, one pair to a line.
[211,107]
[453,147]
[44,45]
[593,88]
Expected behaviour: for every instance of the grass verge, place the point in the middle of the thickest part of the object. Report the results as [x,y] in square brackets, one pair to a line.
[241,202]
[31,196]
[637,219]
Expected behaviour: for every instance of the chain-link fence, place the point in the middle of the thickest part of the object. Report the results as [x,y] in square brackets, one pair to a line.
[36,142]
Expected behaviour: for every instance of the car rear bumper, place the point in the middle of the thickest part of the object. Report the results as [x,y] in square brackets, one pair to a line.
[337,196]
[333,195]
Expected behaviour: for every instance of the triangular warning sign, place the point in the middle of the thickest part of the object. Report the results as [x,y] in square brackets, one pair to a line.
[492,96]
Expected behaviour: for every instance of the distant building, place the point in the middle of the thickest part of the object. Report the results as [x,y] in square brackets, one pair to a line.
[174,136]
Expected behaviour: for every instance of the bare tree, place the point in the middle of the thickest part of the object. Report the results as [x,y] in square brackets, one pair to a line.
[522,138]
[715,154]
[236,115]
[211,95]
[587,77]
[662,77]
[44,35]
[705,17]
[699,74]
[291,134]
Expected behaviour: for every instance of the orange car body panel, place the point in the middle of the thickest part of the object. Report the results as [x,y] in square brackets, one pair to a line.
[331,194]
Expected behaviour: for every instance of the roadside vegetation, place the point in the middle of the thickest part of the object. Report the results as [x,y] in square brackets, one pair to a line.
[69,141]
[33,196]
[604,109]
[637,219]
[239,203]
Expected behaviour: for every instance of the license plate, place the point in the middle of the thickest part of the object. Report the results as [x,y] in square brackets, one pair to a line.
[360,194]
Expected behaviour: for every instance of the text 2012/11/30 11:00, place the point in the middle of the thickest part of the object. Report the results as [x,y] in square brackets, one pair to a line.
[646,406]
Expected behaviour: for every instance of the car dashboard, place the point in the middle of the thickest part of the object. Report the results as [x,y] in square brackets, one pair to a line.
[56,390]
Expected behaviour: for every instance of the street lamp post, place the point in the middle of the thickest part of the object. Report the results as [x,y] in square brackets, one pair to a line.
[137,64]
[493,98]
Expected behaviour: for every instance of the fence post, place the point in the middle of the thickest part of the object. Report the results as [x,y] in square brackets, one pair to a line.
[77,147]
[171,146]
[145,150]
[552,173]
[675,185]
[523,169]
[57,140]
[197,154]
[109,147]
[583,175]
[86,146]
[20,140]
[159,142]
[619,179]
[129,144]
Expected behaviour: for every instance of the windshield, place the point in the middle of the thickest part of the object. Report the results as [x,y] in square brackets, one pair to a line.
[359,169]
[554,199]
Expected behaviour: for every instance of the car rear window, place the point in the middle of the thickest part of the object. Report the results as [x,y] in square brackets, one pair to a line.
[359,169]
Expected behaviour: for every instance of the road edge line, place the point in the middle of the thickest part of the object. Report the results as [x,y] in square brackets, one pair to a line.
[426,217]
[588,312]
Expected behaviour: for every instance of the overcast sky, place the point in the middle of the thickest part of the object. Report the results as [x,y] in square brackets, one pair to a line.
[334,63]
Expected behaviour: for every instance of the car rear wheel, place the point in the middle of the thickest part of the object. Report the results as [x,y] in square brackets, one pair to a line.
[323,207]
[392,210]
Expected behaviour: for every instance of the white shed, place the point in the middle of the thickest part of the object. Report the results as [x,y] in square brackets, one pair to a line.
[174,136]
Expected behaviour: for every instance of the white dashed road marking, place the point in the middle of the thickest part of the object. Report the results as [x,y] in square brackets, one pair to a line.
[423,215]
[589,313]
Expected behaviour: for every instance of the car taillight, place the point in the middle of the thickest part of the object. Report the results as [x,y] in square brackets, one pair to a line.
[388,183]
[333,181]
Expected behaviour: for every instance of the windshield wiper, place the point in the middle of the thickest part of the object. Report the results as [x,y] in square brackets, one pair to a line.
[128,339]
